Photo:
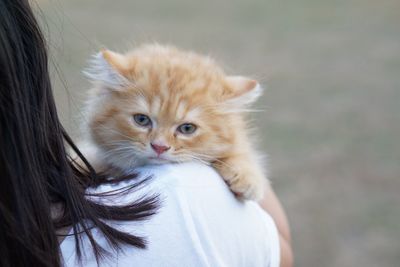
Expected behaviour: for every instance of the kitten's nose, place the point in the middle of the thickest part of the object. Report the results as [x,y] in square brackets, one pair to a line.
[159,149]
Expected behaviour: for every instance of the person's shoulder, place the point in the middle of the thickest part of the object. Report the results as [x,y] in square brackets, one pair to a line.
[204,207]
[188,173]
[190,181]
[201,189]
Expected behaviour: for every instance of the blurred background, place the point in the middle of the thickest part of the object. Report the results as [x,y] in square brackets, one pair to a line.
[331,119]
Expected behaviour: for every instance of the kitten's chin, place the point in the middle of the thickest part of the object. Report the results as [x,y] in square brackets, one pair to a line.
[158,161]
[123,164]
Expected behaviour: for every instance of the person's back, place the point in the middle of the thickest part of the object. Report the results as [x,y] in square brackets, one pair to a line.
[200,223]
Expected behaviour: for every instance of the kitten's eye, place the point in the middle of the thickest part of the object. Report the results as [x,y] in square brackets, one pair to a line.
[142,120]
[187,128]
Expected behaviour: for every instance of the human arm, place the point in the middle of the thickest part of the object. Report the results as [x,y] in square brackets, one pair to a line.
[271,204]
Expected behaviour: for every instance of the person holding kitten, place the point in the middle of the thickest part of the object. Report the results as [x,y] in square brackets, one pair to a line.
[190,210]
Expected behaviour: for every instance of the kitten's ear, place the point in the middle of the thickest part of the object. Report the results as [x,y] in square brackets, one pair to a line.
[244,91]
[107,68]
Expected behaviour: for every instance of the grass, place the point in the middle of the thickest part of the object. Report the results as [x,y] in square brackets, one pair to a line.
[331,123]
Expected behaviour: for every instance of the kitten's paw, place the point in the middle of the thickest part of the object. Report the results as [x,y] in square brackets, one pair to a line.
[245,184]
[248,188]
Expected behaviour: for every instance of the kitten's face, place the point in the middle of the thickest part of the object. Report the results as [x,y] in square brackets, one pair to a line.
[162,105]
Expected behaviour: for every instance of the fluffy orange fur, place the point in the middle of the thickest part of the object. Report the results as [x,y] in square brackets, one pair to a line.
[171,88]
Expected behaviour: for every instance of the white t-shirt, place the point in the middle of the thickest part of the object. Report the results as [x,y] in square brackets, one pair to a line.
[199,224]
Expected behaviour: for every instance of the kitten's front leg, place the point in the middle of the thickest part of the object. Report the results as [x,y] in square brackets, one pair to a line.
[245,177]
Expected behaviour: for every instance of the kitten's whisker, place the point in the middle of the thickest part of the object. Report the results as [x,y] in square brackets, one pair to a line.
[115,131]
[193,156]
[188,154]
[116,151]
[198,159]
[205,156]
[120,150]
[122,156]
[123,143]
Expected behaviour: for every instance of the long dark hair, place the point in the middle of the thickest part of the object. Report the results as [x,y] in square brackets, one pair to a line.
[35,170]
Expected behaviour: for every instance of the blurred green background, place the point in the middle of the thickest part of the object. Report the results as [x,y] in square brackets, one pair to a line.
[331,119]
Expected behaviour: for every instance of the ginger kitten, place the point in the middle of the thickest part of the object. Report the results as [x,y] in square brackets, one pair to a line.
[158,104]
